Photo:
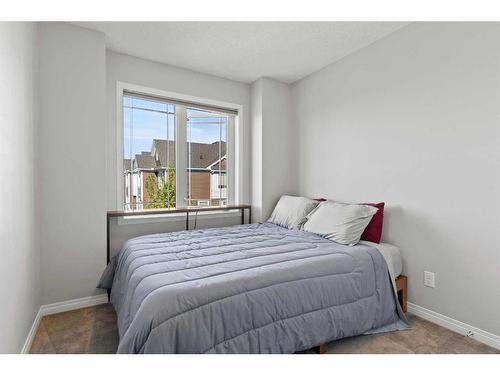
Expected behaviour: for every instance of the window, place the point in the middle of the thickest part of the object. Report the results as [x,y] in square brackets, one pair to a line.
[149,153]
[207,145]
[176,154]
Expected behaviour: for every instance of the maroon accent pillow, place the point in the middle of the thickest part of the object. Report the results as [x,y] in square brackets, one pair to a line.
[373,232]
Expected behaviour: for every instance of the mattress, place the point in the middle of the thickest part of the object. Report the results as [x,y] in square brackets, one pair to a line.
[256,288]
[392,255]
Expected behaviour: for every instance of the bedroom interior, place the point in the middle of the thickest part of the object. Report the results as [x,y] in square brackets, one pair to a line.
[250,187]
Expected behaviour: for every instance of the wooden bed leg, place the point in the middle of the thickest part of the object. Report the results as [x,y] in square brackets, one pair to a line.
[402,289]
[321,349]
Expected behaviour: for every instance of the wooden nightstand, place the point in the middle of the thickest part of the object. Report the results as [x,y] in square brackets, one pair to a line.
[402,288]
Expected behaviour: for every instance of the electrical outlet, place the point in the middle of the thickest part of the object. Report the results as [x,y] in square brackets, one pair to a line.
[429,279]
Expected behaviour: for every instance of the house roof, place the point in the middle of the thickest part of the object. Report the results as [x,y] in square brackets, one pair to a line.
[216,167]
[165,151]
[202,154]
[144,161]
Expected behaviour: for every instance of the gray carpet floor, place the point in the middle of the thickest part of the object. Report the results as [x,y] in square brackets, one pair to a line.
[93,330]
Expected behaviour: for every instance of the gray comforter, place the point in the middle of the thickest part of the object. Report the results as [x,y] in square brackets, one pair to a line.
[255,288]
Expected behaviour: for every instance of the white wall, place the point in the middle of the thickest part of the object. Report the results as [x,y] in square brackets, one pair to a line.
[71,161]
[132,70]
[279,153]
[257,172]
[19,267]
[413,120]
[274,171]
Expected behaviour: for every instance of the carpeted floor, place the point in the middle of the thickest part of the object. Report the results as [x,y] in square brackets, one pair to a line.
[93,330]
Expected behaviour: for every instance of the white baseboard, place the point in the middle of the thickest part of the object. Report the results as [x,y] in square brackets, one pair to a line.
[59,307]
[73,304]
[31,334]
[455,325]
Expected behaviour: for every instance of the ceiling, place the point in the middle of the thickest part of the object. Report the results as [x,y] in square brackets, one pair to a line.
[243,51]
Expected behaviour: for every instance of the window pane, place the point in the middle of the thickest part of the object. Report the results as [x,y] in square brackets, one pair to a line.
[145,104]
[207,144]
[127,159]
[149,154]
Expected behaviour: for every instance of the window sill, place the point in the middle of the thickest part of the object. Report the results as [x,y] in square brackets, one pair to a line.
[177,217]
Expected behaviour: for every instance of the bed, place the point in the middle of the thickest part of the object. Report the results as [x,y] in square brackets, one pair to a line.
[255,288]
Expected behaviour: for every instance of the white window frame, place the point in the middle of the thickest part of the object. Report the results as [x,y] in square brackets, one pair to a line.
[234,149]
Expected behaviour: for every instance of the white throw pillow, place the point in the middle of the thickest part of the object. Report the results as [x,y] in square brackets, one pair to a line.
[290,212]
[340,222]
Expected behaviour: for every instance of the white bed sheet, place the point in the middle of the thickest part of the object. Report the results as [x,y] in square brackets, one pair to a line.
[392,255]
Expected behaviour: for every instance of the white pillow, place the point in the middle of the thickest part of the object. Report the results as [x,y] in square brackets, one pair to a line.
[290,212]
[340,222]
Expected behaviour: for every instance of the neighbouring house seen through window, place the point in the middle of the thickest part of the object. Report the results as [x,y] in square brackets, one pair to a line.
[153,129]
[207,164]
